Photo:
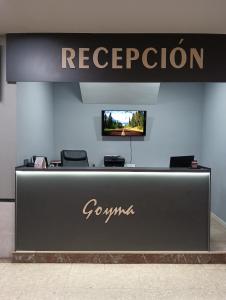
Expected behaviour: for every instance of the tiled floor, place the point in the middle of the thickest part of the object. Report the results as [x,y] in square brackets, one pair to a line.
[76,281]
[99,281]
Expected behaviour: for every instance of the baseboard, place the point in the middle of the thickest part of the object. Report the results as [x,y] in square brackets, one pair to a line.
[219,220]
[7,200]
[205,257]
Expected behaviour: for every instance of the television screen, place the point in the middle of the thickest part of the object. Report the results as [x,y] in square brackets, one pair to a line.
[123,122]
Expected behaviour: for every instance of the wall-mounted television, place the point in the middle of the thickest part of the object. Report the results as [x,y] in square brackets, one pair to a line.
[124,122]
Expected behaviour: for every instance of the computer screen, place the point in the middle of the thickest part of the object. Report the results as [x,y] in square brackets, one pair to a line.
[181,161]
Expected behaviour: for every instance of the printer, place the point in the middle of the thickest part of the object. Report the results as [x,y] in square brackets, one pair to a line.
[114,161]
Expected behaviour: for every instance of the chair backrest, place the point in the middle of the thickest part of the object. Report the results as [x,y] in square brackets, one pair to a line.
[74,158]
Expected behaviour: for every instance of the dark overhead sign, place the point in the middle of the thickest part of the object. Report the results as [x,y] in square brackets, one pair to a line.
[116,57]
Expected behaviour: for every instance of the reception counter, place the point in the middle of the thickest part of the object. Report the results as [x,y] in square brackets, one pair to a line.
[112,209]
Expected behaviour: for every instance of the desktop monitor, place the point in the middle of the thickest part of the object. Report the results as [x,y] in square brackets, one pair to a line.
[181,161]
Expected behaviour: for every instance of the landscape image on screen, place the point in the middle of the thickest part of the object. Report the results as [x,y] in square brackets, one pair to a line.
[123,123]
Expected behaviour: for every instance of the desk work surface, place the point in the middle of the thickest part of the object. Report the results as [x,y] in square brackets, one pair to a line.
[114,169]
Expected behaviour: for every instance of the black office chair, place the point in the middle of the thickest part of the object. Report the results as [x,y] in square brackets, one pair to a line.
[74,158]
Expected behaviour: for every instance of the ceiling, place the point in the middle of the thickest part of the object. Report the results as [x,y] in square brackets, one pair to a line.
[119,93]
[183,16]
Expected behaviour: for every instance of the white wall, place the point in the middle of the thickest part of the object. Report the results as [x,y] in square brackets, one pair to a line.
[7,131]
[74,125]
[214,144]
[7,157]
[34,120]
[174,125]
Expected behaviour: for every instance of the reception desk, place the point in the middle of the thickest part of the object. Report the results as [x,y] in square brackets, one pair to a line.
[112,209]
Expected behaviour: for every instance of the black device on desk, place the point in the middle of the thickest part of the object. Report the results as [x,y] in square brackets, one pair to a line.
[181,161]
[114,161]
[31,162]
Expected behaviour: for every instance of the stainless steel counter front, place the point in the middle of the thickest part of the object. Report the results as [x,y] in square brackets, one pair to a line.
[112,209]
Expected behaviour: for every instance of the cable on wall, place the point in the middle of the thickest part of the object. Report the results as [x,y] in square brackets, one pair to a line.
[131,150]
